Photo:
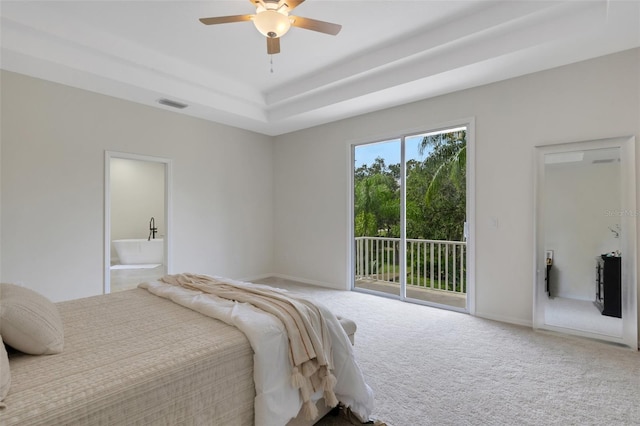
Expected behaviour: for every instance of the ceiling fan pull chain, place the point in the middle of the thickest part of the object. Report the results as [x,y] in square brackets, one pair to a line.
[271,62]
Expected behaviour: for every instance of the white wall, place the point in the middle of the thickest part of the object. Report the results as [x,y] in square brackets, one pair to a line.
[577,198]
[1,137]
[235,193]
[53,143]
[590,100]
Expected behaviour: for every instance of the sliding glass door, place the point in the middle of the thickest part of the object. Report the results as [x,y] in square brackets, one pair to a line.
[409,204]
[377,217]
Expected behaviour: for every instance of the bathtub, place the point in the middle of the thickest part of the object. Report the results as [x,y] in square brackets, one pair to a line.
[139,251]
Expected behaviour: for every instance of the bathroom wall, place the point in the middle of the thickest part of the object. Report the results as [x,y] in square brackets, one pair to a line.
[137,194]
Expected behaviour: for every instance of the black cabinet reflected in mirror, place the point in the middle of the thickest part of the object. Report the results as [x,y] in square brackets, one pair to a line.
[608,285]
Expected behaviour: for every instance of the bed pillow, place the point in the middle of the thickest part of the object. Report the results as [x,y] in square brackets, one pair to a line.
[29,322]
[5,374]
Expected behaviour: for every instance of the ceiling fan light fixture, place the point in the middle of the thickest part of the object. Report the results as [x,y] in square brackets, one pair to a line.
[272,23]
[272,20]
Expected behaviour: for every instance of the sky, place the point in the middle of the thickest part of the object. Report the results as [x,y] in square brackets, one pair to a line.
[389,151]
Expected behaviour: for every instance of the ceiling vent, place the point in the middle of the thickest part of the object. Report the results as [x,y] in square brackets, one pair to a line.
[563,157]
[172,104]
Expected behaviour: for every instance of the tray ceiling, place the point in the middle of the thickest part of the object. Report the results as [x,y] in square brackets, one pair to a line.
[388,52]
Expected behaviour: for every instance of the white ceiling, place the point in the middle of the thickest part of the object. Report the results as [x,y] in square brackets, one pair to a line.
[388,52]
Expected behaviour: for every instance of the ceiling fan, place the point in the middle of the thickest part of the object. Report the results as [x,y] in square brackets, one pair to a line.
[272,19]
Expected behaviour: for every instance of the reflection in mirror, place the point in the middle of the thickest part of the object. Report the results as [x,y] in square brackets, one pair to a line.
[585,242]
[582,194]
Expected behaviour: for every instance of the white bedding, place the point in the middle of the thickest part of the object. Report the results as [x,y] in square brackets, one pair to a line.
[276,400]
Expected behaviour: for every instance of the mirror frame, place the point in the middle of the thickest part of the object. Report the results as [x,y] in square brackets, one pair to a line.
[628,237]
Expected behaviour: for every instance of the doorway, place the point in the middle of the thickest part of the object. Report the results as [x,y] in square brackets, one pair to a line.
[137,220]
[410,213]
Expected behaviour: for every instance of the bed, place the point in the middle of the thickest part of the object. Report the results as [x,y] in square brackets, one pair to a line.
[135,358]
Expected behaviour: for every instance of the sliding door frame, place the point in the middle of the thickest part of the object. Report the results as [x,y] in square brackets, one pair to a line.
[401,135]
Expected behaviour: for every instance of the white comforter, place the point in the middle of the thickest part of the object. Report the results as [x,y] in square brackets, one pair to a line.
[276,400]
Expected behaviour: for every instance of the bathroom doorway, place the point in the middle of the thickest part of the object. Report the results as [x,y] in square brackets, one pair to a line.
[137,219]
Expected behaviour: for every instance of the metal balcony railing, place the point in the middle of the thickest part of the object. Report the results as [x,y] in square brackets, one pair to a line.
[431,264]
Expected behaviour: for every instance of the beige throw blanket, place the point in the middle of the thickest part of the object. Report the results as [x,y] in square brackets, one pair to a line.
[309,342]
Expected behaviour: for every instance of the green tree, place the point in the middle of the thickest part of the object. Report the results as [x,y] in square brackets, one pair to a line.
[435,192]
[377,203]
[450,151]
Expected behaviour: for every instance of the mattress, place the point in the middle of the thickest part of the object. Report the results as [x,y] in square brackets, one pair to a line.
[134,358]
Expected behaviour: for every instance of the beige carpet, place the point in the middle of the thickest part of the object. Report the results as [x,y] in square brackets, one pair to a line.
[429,366]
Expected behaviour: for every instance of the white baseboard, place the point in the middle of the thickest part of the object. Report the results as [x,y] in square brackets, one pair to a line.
[500,318]
[311,282]
[255,277]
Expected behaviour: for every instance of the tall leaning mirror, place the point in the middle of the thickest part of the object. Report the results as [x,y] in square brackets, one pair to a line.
[585,240]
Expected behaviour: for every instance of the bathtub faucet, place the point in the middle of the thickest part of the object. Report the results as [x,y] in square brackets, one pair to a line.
[152,229]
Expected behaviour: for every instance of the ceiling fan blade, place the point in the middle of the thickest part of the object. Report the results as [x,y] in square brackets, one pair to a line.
[288,4]
[273,45]
[226,19]
[291,4]
[315,25]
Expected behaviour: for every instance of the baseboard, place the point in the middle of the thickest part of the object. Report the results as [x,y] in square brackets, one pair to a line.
[332,286]
[290,278]
[255,277]
[500,318]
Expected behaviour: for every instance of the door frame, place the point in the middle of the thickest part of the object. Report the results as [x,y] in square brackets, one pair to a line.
[108,155]
[469,123]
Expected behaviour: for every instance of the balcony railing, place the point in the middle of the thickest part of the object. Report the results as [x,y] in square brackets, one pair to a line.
[431,264]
